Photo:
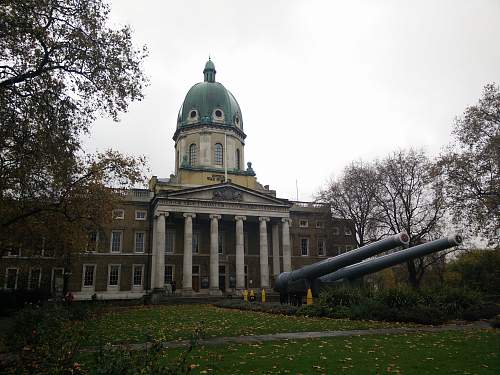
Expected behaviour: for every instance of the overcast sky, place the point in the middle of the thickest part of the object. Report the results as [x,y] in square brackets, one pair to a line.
[319,83]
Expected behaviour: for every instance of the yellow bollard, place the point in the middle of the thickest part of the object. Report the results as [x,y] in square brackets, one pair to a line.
[309,298]
[245,295]
[263,295]
[252,295]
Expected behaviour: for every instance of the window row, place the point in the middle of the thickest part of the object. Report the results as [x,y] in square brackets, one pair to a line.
[217,116]
[114,276]
[116,241]
[12,276]
[218,155]
[320,224]
[305,223]
[170,242]
[119,214]
[320,247]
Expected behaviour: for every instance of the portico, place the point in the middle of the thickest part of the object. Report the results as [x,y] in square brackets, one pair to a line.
[250,220]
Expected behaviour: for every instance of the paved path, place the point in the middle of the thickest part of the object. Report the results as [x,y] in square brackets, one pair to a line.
[303,335]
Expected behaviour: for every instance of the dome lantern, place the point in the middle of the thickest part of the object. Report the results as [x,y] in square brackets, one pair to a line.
[209,71]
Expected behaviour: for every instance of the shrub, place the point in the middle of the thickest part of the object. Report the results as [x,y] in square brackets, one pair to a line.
[269,307]
[313,310]
[495,322]
[111,360]
[400,297]
[422,314]
[13,300]
[340,296]
[453,301]
[340,312]
[482,311]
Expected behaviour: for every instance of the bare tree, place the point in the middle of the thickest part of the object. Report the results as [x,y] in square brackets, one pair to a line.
[411,199]
[471,168]
[352,196]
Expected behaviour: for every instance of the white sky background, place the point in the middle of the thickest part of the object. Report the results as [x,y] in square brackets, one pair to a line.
[319,83]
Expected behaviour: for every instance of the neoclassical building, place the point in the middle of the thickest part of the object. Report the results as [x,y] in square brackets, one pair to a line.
[211,226]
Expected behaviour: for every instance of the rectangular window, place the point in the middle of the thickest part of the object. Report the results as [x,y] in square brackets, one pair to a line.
[169,273]
[11,278]
[170,241]
[138,270]
[320,224]
[321,247]
[118,214]
[114,275]
[116,241]
[88,275]
[139,241]
[304,246]
[222,242]
[140,214]
[196,240]
[335,231]
[35,278]
[93,241]
[303,223]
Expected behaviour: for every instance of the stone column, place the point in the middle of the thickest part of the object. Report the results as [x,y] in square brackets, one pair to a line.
[276,249]
[287,253]
[214,255]
[187,265]
[159,279]
[264,253]
[240,253]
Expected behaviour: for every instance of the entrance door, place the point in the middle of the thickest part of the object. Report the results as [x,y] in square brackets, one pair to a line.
[57,282]
[222,278]
[196,278]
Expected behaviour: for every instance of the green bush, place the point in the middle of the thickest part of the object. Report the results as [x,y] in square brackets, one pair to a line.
[495,322]
[316,309]
[482,311]
[13,300]
[111,360]
[340,312]
[340,296]
[269,307]
[399,297]
[421,314]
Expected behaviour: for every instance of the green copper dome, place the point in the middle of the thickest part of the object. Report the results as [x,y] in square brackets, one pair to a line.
[209,102]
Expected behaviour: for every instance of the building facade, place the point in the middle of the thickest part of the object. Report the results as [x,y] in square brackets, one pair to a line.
[211,227]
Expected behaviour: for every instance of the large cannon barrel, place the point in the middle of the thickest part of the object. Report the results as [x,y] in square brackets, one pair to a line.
[373,265]
[298,280]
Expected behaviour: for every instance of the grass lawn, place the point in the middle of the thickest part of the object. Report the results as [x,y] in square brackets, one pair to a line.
[134,324]
[470,352]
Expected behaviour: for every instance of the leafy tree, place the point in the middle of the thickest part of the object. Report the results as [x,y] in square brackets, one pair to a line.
[476,269]
[410,199]
[471,167]
[352,196]
[61,66]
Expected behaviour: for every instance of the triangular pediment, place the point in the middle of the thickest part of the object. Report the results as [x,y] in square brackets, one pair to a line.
[227,192]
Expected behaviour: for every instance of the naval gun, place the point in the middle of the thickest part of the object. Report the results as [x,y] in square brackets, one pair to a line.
[366,267]
[349,266]
[296,283]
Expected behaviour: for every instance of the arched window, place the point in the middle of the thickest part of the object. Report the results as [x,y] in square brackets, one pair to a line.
[192,154]
[218,154]
[238,158]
